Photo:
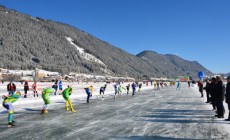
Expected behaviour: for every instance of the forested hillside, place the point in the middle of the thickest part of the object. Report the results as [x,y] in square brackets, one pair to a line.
[27,42]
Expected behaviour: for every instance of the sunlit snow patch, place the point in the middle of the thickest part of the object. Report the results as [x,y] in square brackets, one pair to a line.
[87,56]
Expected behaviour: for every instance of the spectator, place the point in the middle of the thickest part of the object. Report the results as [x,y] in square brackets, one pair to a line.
[227,97]
[11,88]
[207,88]
[188,83]
[200,85]
[219,91]
[34,86]
[26,88]
[212,93]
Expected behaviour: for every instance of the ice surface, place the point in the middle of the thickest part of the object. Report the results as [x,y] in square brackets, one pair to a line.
[164,114]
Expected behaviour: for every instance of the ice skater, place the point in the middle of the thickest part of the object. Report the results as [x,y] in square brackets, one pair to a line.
[139,87]
[120,89]
[88,91]
[127,88]
[102,90]
[158,86]
[46,98]
[178,85]
[66,95]
[55,86]
[134,86]
[7,103]
[60,86]
[116,90]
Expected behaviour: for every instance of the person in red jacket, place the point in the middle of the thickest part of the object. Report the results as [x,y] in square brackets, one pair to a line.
[200,85]
[11,88]
[35,89]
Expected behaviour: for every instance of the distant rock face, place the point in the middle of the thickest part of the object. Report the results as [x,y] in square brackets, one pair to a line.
[227,74]
[27,42]
[172,65]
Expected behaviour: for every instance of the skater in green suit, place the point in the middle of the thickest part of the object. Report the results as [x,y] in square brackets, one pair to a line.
[7,103]
[46,98]
[66,93]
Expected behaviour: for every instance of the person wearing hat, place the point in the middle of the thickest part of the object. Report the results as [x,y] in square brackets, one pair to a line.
[227,97]
[66,93]
[7,103]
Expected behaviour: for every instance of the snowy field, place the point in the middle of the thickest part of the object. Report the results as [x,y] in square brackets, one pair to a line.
[164,114]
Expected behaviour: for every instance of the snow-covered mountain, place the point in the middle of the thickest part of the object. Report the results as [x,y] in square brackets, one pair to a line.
[172,64]
[227,74]
[28,42]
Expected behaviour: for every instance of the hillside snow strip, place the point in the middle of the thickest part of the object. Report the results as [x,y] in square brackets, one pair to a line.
[86,56]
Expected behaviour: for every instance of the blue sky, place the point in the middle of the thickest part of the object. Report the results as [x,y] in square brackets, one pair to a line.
[192,29]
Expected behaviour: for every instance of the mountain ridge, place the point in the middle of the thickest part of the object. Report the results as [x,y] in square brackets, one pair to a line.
[171,62]
[30,42]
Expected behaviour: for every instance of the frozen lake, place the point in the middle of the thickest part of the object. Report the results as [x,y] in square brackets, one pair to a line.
[165,114]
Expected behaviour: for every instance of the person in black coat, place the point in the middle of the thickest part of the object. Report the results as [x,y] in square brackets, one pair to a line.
[127,88]
[207,88]
[55,86]
[227,97]
[212,93]
[218,89]
[102,90]
[26,88]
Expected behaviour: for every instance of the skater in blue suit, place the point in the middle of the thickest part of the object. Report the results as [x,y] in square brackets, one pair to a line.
[88,91]
[178,85]
[134,87]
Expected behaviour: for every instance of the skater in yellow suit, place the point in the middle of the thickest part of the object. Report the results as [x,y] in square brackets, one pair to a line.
[66,93]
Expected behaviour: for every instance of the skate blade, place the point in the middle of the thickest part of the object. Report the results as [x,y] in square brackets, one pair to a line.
[11,126]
